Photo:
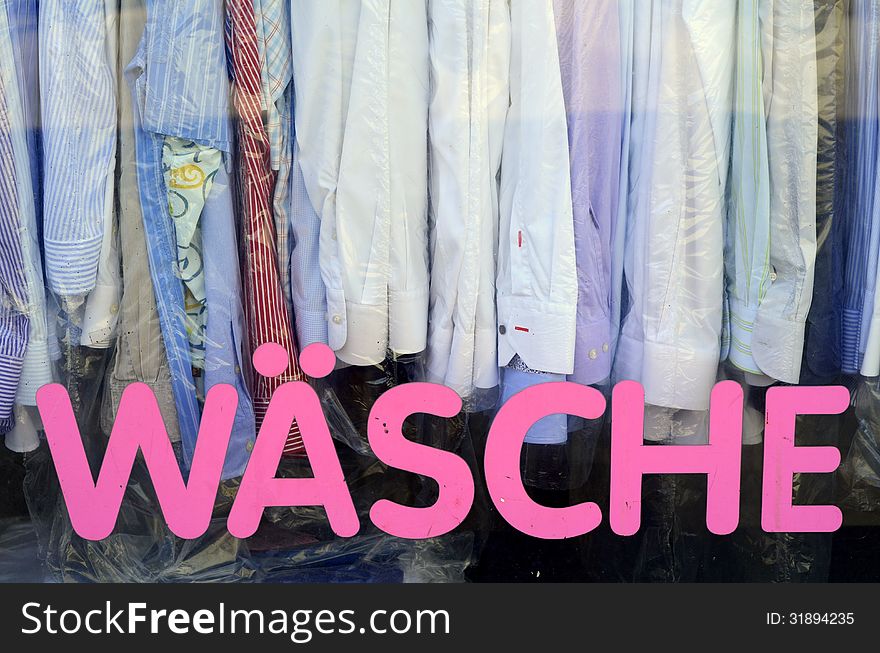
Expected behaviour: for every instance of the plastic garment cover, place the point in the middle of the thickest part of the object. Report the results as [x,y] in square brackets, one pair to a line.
[181,127]
[292,544]
[674,544]
[865,178]
[861,467]
[770,234]
[822,358]
[792,122]
[429,138]
[180,326]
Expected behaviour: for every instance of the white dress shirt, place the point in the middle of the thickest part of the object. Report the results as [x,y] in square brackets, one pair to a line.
[470,65]
[362,94]
[537,281]
[679,151]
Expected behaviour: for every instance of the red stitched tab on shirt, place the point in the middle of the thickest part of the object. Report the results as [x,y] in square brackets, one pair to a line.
[519,240]
[523,329]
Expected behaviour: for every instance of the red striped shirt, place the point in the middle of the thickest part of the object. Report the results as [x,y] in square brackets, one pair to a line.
[265,311]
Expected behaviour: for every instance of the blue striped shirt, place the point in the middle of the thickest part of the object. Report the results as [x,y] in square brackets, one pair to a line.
[863,219]
[309,295]
[18,72]
[79,137]
[183,97]
[23,26]
[13,285]
[180,88]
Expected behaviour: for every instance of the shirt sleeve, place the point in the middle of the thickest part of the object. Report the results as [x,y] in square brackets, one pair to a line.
[13,284]
[590,56]
[308,294]
[323,37]
[408,96]
[792,134]
[747,257]
[674,260]
[102,306]
[470,62]
[36,366]
[537,282]
[79,139]
[361,74]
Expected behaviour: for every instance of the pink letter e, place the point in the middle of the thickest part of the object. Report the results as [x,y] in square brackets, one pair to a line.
[782,459]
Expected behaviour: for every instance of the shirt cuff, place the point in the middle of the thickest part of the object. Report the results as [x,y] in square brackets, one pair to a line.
[10,376]
[102,313]
[408,320]
[778,347]
[679,377]
[24,435]
[592,362]
[36,372]
[742,325]
[552,429]
[679,427]
[850,340]
[542,333]
[452,362]
[366,342]
[72,267]
[311,325]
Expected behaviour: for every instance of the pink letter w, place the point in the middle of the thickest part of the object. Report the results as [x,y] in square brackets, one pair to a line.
[94,508]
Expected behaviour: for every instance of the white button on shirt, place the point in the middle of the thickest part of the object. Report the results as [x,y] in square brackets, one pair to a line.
[361,80]
[537,281]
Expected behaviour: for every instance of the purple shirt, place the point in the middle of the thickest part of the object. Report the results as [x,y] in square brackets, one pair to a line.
[588,34]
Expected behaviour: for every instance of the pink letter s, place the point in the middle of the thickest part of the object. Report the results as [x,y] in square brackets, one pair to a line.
[451,472]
